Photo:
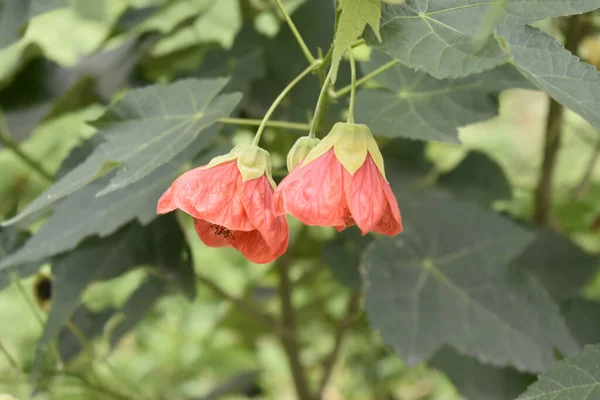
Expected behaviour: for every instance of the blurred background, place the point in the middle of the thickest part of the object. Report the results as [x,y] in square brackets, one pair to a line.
[71,61]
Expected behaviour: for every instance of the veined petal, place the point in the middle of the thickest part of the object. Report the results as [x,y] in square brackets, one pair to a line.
[314,193]
[166,203]
[365,195]
[254,247]
[257,198]
[390,223]
[210,194]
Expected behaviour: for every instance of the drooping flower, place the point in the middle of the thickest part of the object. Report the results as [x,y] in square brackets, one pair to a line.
[231,200]
[340,183]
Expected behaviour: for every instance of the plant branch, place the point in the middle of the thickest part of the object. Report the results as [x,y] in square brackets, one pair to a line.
[352,87]
[290,342]
[554,127]
[321,106]
[11,360]
[12,144]
[298,126]
[283,93]
[584,184]
[348,89]
[244,306]
[301,43]
[342,329]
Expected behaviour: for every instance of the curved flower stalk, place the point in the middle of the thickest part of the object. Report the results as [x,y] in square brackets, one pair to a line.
[340,183]
[231,200]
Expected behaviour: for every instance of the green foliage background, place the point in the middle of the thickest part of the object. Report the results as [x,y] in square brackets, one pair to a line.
[471,301]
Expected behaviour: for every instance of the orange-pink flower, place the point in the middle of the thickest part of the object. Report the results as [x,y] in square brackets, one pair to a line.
[231,200]
[342,183]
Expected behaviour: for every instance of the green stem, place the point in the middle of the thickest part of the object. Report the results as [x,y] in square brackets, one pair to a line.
[347,89]
[352,88]
[321,103]
[12,144]
[297,35]
[11,360]
[298,126]
[285,91]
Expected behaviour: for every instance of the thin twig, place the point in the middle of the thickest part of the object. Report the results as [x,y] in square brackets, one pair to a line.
[342,328]
[264,319]
[301,43]
[347,89]
[290,342]
[12,144]
[586,179]
[554,126]
[99,389]
[298,126]
[11,360]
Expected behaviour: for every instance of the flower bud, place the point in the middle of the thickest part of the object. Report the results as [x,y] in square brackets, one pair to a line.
[300,150]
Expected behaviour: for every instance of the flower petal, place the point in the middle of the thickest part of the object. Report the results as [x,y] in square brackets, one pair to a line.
[313,193]
[365,195]
[254,247]
[206,233]
[391,222]
[166,203]
[210,194]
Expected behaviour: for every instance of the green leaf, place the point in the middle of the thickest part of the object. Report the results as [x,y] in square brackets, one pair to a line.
[436,37]
[583,318]
[10,241]
[574,378]
[477,178]
[477,381]
[160,245]
[89,323]
[138,305]
[444,38]
[14,13]
[244,62]
[95,260]
[354,17]
[445,280]
[342,256]
[172,15]
[407,169]
[142,132]
[550,67]
[558,263]
[417,106]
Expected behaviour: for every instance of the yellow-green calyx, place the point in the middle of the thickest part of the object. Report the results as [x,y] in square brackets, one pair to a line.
[351,144]
[300,150]
[252,161]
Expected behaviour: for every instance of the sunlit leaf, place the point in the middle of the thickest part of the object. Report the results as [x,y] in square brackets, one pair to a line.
[355,15]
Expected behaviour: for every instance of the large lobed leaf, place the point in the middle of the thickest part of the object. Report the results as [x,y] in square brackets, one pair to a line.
[445,38]
[445,281]
[142,132]
[416,105]
[574,378]
[552,68]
